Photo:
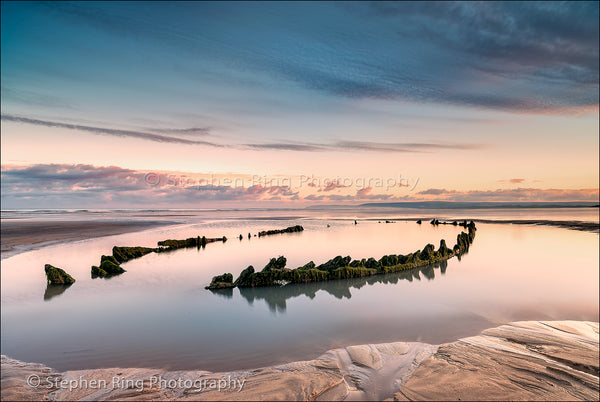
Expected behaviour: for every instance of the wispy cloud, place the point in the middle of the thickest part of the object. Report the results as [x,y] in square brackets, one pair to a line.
[107,131]
[280,146]
[513,181]
[201,131]
[366,146]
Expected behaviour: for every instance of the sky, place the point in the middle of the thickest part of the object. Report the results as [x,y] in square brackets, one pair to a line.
[205,104]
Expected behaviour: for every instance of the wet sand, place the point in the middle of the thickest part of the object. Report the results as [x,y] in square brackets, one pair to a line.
[18,236]
[593,227]
[527,360]
[584,226]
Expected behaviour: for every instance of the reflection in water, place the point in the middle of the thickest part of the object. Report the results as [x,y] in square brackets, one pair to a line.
[226,293]
[55,290]
[276,296]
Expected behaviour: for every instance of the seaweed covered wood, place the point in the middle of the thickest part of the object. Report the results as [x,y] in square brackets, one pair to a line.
[291,229]
[275,272]
[57,276]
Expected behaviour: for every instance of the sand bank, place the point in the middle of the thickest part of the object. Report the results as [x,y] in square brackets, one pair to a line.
[530,360]
[18,236]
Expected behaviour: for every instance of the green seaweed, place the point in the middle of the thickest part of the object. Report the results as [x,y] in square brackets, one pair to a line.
[123,254]
[224,281]
[291,229]
[57,276]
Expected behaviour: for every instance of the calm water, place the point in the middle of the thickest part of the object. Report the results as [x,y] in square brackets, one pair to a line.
[159,314]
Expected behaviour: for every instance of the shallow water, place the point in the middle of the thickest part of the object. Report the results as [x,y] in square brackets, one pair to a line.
[158,313]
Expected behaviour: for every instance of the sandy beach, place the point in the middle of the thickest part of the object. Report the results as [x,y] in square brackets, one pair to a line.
[18,236]
[529,360]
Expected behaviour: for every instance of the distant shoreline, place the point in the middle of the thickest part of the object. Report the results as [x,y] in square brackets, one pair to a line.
[481,205]
[593,227]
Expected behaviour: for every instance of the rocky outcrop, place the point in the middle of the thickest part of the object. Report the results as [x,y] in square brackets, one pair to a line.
[109,266]
[531,360]
[57,276]
[224,281]
[291,229]
[276,274]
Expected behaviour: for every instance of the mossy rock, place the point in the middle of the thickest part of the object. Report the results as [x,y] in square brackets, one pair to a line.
[275,263]
[57,276]
[111,268]
[291,229]
[123,254]
[335,263]
[427,254]
[224,281]
[98,272]
[308,265]
[444,250]
[244,279]
[109,258]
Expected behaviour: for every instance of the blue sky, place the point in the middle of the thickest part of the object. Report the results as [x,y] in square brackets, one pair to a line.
[331,89]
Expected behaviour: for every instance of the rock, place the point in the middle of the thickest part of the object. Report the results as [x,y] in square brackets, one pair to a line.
[428,253]
[124,254]
[111,268]
[275,263]
[335,263]
[419,221]
[245,277]
[98,272]
[444,250]
[221,282]
[308,265]
[57,276]
[291,229]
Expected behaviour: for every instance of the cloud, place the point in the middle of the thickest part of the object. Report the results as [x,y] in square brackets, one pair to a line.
[401,147]
[333,185]
[366,146]
[363,191]
[285,146]
[80,185]
[191,130]
[83,186]
[514,181]
[281,146]
[536,57]
[435,191]
[107,131]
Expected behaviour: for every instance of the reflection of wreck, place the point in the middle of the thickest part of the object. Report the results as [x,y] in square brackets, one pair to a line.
[276,296]
[55,290]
